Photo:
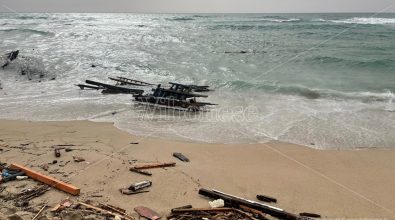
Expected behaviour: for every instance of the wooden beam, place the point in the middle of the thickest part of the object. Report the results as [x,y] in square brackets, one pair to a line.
[52,182]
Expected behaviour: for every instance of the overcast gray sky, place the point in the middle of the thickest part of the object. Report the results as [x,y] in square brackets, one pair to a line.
[197,6]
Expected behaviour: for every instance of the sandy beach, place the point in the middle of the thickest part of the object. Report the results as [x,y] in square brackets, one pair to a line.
[334,183]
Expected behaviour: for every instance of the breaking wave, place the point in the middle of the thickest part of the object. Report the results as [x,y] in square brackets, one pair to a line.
[310,93]
[357,20]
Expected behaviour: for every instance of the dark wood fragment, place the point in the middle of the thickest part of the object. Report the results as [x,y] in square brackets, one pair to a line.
[181,157]
[266,198]
[140,171]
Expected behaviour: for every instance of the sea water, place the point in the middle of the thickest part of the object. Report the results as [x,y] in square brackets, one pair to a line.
[322,80]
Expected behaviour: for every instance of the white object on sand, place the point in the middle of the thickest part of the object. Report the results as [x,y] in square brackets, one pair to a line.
[217,203]
[21,177]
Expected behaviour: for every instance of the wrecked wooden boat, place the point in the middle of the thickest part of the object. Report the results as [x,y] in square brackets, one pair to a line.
[176,97]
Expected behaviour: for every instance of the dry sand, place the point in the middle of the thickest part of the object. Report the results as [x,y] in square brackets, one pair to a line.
[333,183]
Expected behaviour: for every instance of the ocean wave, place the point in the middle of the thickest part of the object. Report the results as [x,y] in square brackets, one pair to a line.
[235,27]
[374,63]
[313,93]
[29,17]
[282,20]
[254,24]
[186,18]
[357,20]
[27,30]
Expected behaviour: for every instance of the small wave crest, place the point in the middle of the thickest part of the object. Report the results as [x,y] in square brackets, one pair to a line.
[29,31]
[29,17]
[373,63]
[279,20]
[185,18]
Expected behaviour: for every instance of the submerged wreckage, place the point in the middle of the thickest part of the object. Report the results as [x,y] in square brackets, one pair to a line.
[9,57]
[30,66]
[176,96]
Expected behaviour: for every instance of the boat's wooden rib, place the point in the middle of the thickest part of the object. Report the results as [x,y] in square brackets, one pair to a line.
[83,86]
[127,81]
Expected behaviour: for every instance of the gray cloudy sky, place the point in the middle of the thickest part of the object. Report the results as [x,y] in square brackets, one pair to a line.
[197,6]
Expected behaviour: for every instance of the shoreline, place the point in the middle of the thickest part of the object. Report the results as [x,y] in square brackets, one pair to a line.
[334,183]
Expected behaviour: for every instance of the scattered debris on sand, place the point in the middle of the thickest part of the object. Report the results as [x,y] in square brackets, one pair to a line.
[22,189]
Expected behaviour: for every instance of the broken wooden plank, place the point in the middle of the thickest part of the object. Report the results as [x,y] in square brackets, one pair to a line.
[191,210]
[182,207]
[154,165]
[48,180]
[124,216]
[147,213]
[62,205]
[257,213]
[140,171]
[181,157]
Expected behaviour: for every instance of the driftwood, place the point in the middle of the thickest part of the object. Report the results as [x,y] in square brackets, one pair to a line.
[39,213]
[140,171]
[215,213]
[233,201]
[23,198]
[154,165]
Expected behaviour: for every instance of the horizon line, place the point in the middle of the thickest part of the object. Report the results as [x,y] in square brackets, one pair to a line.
[103,12]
